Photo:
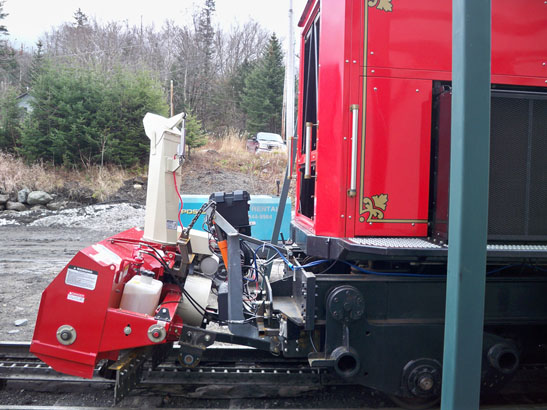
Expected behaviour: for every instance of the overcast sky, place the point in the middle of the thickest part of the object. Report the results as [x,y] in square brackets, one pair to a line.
[29,19]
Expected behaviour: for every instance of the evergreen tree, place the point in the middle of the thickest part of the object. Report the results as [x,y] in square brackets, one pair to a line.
[8,64]
[10,120]
[10,112]
[205,34]
[35,67]
[226,100]
[84,117]
[80,18]
[262,98]
[3,28]
[237,81]
[195,137]
[127,100]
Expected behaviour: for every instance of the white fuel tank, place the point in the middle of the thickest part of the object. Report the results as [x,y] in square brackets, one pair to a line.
[141,294]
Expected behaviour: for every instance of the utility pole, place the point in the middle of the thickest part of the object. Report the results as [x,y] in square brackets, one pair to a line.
[289,132]
[184,86]
[289,81]
[284,110]
[171,105]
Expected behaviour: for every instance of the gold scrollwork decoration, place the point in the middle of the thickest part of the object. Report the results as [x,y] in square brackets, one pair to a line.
[375,206]
[384,5]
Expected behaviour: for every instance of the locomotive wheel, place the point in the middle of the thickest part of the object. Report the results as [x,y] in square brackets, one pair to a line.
[415,403]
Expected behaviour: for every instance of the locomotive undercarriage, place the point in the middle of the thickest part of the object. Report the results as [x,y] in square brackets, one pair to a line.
[383,328]
[398,341]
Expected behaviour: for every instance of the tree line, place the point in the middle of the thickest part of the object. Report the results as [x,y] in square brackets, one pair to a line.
[90,84]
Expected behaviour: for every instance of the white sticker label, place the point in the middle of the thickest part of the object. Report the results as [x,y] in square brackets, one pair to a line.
[105,255]
[81,277]
[172,224]
[76,297]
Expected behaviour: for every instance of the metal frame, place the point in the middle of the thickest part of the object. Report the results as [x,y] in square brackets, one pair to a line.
[468,223]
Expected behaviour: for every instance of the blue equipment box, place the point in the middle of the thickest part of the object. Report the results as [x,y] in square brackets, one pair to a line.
[262,212]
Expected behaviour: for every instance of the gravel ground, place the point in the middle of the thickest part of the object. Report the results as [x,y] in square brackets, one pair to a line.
[33,253]
[92,395]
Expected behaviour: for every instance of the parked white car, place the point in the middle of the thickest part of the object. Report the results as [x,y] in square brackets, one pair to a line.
[266,142]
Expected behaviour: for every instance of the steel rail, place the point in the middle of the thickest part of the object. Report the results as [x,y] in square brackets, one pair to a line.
[222,365]
[240,364]
[216,362]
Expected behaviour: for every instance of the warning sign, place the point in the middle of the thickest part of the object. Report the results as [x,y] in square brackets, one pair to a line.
[76,297]
[81,277]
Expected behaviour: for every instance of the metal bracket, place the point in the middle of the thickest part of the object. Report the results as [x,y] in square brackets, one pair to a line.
[163,315]
[129,371]
[345,306]
[193,343]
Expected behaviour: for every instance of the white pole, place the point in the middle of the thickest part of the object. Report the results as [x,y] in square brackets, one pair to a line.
[289,117]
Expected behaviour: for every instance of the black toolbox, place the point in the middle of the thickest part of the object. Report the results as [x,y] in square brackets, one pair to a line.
[234,207]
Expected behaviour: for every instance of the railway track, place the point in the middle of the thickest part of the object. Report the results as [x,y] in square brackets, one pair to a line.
[219,366]
[225,366]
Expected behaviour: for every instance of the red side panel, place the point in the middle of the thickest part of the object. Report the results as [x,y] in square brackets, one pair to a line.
[418,36]
[414,34]
[395,183]
[83,309]
[397,47]
[333,139]
[86,296]
[519,39]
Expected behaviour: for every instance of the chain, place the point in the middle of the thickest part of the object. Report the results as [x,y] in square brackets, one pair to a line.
[201,210]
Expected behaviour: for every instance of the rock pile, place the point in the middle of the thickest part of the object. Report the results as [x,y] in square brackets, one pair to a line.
[26,199]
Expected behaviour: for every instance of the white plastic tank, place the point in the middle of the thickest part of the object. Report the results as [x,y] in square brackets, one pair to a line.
[141,294]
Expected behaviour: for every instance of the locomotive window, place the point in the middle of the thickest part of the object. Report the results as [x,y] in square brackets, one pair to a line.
[311,78]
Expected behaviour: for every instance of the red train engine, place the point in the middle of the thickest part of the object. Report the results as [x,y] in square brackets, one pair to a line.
[363,292]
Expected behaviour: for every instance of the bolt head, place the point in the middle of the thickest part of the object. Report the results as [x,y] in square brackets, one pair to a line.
[65,335]
[156,334]
[426,382]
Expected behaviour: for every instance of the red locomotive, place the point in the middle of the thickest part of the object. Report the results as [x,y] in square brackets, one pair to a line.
[364,287]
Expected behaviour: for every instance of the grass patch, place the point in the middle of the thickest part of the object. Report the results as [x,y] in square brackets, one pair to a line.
[265,169]
[15,174]
[223,161]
